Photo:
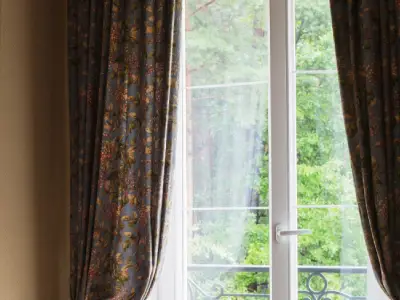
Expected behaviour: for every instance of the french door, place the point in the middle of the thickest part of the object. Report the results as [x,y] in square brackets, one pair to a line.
[268,209]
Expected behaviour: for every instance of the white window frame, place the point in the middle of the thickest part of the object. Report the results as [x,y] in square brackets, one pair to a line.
[280,170]
[172,284]
[279,148]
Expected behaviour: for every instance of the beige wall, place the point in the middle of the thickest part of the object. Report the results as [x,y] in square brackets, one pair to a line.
[33,151]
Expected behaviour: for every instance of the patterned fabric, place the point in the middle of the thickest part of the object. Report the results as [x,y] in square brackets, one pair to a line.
[123,77]
[367,38]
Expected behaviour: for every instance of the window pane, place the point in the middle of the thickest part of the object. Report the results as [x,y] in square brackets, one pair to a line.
[228,253]
[333,283]
[227,149]
[324,173]
[313,36]
[228,203]
[228,141]
[335,251]
[226,41]
[336,239]
[333,259]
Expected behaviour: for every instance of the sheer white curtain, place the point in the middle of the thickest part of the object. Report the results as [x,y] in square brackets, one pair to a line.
[169,285]
[374,290]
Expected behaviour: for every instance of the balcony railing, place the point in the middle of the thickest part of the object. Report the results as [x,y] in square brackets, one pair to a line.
[315,272]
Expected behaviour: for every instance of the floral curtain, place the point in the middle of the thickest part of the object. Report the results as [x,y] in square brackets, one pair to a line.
[123,90]
[367,39]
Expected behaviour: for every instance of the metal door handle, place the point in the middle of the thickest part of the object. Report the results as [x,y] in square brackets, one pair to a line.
[280,232]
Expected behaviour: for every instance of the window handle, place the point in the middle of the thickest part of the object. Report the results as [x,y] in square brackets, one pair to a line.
[280,232]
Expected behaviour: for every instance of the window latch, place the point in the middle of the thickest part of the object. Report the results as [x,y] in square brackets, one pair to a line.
[280,232]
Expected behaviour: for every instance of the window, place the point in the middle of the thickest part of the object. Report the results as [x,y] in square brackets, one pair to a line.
[263,151]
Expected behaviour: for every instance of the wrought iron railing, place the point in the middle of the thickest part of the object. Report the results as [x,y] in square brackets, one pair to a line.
[310,293]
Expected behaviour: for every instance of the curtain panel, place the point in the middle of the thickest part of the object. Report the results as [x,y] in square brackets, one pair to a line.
[123,93]
[367,39]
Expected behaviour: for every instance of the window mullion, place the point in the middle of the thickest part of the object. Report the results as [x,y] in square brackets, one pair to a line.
[279,148]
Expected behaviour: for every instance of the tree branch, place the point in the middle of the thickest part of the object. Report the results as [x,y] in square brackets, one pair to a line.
[202,7]
[299,33]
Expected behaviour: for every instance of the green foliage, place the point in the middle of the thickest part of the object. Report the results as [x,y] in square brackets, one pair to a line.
[227,42]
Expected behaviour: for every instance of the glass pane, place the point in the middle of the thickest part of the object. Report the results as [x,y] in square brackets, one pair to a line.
[324,175]
[336,239]
[228,138]
[228,253]
[332,261]
[333,257]
[227,149]
[215,284]
[226,41]
[313,36]
[333,283]
[228,180]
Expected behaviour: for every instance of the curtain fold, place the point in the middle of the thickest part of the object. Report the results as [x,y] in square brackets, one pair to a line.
[367,40]
[123,91]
